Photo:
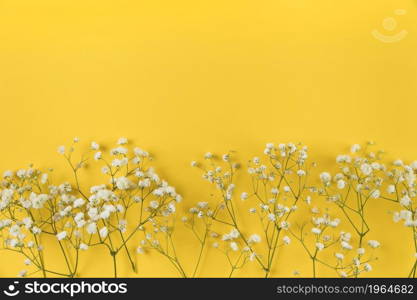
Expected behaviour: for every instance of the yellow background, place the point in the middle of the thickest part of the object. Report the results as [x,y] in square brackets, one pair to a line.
[184,77]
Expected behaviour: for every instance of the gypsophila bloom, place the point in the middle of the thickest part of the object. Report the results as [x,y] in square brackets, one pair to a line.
[62,235]
[319,246]
[254,238]
[286,240]
[61,150]
[244,196]
[373,244]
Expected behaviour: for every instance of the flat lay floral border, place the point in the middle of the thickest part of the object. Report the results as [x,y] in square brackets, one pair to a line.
[288,194]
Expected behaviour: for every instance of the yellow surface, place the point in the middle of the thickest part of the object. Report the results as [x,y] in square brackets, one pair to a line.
[184,77]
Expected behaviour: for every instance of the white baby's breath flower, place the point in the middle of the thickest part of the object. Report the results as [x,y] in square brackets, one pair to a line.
[286,240]
[367,267]
[78,202]
[234,246]
[208,155]
[23,273]
[373,243]
[98,155]
[44,178]
[83,247]
[61,235]
[405,201]
[103,232]
[366,169]
[345,245]
[92,228]
[319,246]
[254,238]
[316,230]
[122,141]
[375,194]
[244,196]
[355,148]
[391,189]
[341,184]
[325,177]
[94,146]
[61,150]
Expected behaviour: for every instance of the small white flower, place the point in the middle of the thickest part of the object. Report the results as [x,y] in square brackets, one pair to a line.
[254,238]
[208,155]
[343,159]
[92,228]
[367,267]
[286,240]
[375,194]
[123,183]
[339,256]
[301,173]
[274,191]
[405,201]
[122,141]
[61,150]
[61,235]
[355,148]
[23,273]
[14,230]
[234,246]
[341,184]
[83,247]
[244,196]
[95,146]
[325,177]
[44,178]
[398,163]
[316,230]
[345,245]
[271,217]
[103,232]
[391,189]
[98,155]
[319,246]
[78,202]
[8,174]
[361,251]
[284,225]
[366,169]
[373,244]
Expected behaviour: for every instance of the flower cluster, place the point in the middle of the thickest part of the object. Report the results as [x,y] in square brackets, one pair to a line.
[400,187]
[131,210]
[279,180]
[78,219]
